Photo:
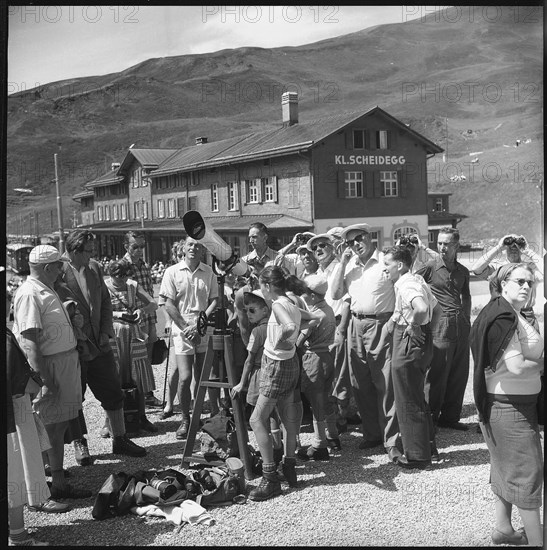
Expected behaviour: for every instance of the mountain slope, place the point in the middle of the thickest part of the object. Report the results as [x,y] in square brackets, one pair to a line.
[480,80]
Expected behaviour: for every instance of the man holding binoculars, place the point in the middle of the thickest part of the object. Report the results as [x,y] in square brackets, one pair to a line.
[516,250]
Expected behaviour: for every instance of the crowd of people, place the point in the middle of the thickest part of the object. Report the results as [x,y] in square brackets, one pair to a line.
[325,321]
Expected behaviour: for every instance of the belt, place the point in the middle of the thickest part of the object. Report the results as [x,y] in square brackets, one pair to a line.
[366,316]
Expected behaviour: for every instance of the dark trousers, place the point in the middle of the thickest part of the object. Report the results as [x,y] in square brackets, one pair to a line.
[371,382]
[447,376]
[101,375]
[409,364]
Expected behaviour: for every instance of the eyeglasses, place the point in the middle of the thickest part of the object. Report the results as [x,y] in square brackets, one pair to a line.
[319,245]
[357,239]
[522,282]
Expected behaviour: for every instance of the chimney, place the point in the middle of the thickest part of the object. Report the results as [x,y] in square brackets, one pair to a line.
[289,104]
[115,166]
[201,140]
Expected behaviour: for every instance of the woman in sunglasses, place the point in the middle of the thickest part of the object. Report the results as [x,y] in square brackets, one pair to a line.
[508,356]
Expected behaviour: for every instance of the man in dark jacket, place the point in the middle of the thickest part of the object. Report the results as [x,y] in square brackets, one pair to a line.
[81,280]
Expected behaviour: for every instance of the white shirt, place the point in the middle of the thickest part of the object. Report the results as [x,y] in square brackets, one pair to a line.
[407,288]
[79,274]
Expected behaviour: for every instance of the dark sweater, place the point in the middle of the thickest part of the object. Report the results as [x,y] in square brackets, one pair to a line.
[490,334]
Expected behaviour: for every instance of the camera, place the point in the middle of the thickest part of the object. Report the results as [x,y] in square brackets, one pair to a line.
[408,240]
[517,241]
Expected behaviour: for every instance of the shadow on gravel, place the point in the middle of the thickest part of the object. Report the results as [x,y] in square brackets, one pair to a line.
[119,531]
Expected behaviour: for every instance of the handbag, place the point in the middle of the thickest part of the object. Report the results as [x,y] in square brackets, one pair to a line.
[159,352]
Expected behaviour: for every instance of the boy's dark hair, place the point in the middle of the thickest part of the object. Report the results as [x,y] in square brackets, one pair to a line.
[400,254]
[451,231]
[119,268]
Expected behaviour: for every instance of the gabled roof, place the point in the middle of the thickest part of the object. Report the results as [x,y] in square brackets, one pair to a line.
[83,194]
[109,178]
[270,143]
[147,158]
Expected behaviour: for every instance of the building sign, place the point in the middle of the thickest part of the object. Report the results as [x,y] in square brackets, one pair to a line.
[370,160]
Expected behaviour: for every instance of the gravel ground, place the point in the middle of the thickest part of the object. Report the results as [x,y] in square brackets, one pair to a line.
[357,498]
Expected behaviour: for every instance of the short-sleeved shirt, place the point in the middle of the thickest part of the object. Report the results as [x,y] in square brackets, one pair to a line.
[36,306]
[286,349]
[449,287]
[257,341]
[321,337]
[370,289]
[336,305]
[190,291]
[407,288]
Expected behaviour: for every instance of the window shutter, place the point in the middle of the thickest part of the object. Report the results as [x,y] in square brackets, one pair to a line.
[273,180]
[341,184]
[377,185]
[259,190]
[244,191]
[402,183]
[193,203]
[262,189]
[181,206]
[390,139]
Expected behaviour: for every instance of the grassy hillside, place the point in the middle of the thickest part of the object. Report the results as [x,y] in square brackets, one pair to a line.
[484,77]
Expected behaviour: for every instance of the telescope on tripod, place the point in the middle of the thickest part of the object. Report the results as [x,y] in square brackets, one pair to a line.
[220,347]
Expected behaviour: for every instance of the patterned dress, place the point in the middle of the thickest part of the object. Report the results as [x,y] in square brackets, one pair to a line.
[129,344]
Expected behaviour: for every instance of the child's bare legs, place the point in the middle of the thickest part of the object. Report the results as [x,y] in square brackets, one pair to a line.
[260,423]
[290,412]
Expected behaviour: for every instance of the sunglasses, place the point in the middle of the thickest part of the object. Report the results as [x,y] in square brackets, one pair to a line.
[251,309]
[357,239]
[522,282]
[319,245]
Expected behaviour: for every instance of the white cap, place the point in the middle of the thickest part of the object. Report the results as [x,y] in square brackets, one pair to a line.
[45,254]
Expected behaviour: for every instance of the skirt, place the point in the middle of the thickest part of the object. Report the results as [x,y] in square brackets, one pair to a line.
[279,378]
[65,402]
[131,356]
[512,438]
[26,480]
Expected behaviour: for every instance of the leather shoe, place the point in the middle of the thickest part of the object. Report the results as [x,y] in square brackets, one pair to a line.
[81,452]
[122,445]
[147,426]
[182,431]
[70,492]
[369,444]
[403,462]
[453,425]
[393,454]
[517,538]
[313,453]
[152,401]
[51,507]
[166,414]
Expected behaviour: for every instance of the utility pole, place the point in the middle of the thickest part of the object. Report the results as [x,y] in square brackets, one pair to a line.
[142,225]
[59,209]
[36,227]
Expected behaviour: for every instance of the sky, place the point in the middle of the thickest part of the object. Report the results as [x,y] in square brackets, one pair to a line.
[51,43]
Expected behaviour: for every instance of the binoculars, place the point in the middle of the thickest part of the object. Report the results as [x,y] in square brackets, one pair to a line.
[408,239]
[518,241]
[165,487]
[303,238]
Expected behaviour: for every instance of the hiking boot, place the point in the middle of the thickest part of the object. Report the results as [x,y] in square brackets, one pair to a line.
[288,469]
[312,453]
[269,487]
[182,431]
[81,452]
[122,445]
[334,444]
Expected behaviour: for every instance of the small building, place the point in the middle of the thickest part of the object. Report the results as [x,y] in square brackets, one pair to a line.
[439,216]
